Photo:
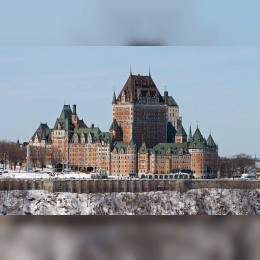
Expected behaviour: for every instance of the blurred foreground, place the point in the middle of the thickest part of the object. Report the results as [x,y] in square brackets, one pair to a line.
[121,238]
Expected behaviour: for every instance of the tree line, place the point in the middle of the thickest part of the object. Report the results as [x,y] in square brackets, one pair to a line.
[11,153]
[14,154]
[43,156]
[235,165]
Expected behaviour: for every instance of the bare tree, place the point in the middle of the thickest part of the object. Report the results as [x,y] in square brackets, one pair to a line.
[3,148]
[34,155]
[226,166]
[230,166]
[42,154]
[243,162]
[55,156]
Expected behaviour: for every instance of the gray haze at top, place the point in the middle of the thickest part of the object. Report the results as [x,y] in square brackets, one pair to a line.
[118,23]
[144,23]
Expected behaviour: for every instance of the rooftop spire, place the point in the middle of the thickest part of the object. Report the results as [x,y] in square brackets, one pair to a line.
[190,135]
[149,71]
[114,98]
[130,70]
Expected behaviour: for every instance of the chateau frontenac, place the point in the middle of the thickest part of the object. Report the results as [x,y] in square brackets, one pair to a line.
[146,138]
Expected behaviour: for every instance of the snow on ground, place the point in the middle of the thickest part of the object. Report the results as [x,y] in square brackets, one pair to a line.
[44,174]
[193,202]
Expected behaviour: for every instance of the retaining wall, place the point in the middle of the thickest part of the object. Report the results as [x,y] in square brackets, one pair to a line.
[109,186]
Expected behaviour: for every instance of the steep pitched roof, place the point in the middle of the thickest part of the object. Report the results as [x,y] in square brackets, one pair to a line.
[114,98]
[43,132]
[143,149]
[139,84]
[211,142]
[198,140]
[65,119]
[190,135]
[132,144]
[114,126]
[181,132]
[119,145]
[171,101]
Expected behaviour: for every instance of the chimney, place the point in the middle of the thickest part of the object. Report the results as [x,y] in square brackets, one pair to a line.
[74,109]
[166,97]
[92,126]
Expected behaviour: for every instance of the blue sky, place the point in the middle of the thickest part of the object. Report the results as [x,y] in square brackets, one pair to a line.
[218,86]
[102,22]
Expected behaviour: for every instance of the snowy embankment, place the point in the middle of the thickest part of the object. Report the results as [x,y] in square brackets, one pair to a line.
[20,173]
[193,202]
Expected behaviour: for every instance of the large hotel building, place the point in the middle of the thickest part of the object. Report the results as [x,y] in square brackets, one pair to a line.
[146,138]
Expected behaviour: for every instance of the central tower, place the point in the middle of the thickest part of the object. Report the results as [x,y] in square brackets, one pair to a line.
[141,111]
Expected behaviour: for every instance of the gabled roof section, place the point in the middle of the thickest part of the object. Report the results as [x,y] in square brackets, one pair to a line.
[181,132]
[43,132]
[120,145]
[64,119]
[143,149]
[97,135]
[139,84]
[171,149]
[66,112]
[114,126]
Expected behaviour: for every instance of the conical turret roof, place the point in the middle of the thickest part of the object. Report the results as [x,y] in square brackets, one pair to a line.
[198,140]
[211,142]
[181,132]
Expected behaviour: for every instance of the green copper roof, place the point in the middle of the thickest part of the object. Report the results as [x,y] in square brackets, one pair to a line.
[171,149]
[132,144]
[198,140]
[153,151]
[119,145]
[190,135]
[97,135]
[211,142]
[171,101]
[43,132]
[114,126]
[181,132]
[143,149]
[65,119]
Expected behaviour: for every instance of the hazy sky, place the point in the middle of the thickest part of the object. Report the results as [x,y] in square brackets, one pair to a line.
[218,86]
[120,22]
